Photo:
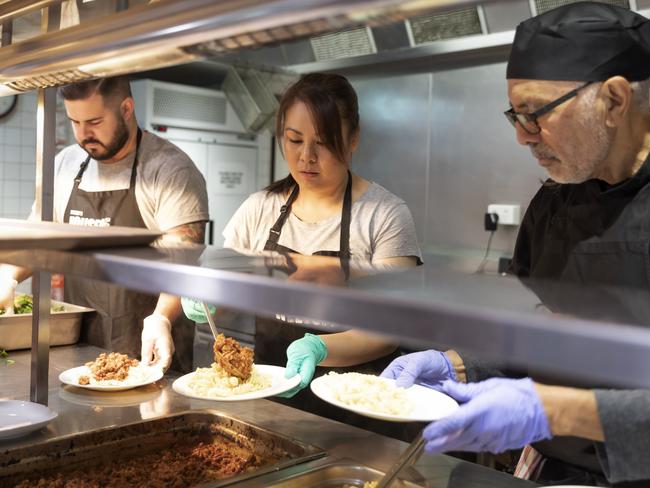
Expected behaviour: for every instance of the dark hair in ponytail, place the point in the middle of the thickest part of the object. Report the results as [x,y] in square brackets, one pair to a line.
[331,100]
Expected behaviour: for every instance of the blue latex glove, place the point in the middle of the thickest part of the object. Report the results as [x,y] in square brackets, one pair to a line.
[302,357]
[429,368]
[497,415]
[193,310]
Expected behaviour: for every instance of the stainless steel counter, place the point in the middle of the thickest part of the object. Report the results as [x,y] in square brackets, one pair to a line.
[80,411]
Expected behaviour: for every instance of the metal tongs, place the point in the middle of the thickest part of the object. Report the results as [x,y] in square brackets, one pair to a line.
[213,326]
[409,456]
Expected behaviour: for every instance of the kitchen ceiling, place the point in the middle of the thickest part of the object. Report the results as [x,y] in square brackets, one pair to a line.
[348,36]
[171,32]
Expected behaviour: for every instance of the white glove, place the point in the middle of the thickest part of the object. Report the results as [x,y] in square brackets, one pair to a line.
[7,292]
[157,342]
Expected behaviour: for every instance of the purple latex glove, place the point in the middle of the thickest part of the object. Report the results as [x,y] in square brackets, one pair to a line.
[429,368]
[497,415]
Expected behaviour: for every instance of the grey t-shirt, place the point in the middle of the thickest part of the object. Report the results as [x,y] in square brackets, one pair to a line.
[381,227]
[169,189]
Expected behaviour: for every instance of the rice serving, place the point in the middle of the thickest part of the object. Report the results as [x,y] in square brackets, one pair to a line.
[215,382]
[368,392]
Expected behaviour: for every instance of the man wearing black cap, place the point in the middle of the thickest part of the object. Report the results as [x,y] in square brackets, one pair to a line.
[578,84]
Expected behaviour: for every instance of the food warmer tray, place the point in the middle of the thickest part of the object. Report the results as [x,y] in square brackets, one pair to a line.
[89,450]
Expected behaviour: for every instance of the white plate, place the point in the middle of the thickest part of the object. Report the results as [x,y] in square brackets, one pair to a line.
[279,384]
[19,418]
[428,404]
[71,377]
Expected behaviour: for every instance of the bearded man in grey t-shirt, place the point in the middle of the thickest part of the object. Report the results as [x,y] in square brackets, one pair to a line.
[118,174]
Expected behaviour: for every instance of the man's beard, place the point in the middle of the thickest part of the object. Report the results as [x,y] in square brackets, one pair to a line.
[582,157]
[541,151]
[111,148]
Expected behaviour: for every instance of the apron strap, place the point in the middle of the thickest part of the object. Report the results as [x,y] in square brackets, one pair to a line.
[346,219]
[134,169]
[82,169]
[276,230]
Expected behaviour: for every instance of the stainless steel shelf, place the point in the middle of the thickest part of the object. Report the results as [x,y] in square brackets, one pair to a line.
[494,317]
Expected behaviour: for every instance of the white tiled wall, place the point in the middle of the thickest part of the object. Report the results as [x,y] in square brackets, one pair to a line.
[17,158]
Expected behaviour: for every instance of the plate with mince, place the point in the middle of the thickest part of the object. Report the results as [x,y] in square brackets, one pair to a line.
[111,372]
[233,376]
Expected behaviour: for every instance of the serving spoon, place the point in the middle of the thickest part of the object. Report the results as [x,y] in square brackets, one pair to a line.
[409,456]
[213,326]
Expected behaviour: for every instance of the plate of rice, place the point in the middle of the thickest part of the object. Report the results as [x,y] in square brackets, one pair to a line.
[380,398]
[214,383]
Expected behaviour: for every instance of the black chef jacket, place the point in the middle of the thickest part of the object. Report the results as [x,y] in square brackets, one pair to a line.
[589,233]
[592,233]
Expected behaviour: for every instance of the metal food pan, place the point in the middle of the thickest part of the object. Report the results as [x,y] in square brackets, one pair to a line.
[65,326]
[91,451]
[329,473]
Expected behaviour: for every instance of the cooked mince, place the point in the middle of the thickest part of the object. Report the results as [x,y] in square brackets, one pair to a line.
[193,462]
[234,358]
[111,366]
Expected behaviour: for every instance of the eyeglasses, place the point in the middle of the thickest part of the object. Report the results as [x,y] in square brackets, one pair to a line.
[528,122]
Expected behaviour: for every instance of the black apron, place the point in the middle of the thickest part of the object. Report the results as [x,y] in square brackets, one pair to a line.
[273,337]
[117,325]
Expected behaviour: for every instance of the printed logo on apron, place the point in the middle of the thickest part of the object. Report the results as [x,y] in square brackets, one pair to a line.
[77,218]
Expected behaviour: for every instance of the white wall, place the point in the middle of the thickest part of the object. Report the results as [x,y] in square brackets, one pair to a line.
[17,158]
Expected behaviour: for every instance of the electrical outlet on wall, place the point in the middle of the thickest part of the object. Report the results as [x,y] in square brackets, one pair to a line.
[509,214]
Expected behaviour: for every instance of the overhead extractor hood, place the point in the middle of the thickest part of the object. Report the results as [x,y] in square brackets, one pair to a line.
[171,32]
[441,39]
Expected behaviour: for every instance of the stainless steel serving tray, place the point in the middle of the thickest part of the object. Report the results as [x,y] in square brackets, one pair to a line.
[65,327]
[328,473]
[22,234]
[90,449]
